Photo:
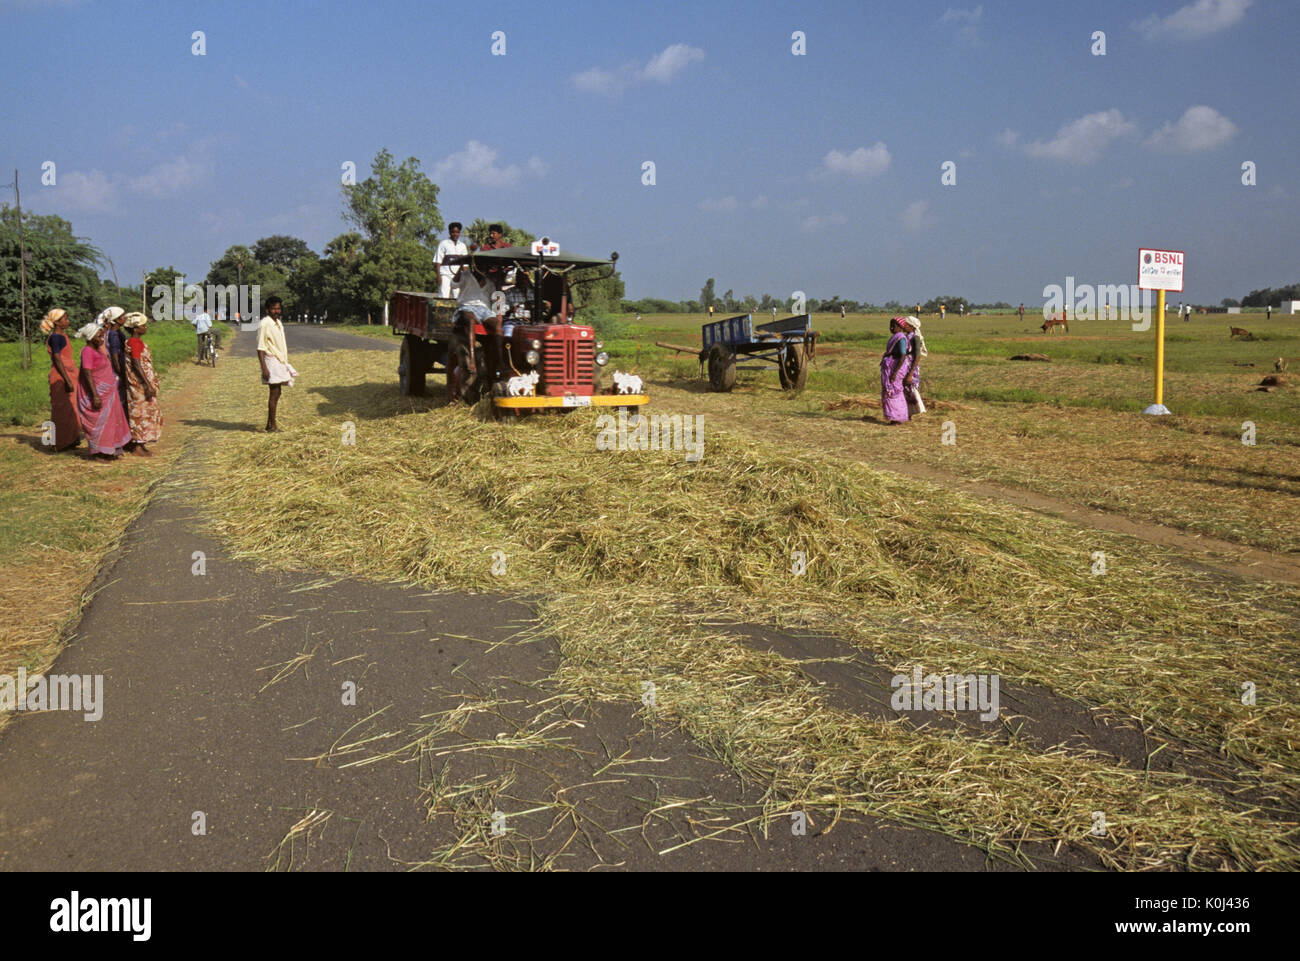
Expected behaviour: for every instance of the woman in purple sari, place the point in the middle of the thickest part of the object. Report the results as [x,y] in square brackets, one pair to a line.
[895,365]
[98,405]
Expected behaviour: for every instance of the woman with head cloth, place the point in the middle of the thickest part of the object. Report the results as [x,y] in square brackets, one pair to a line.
[912,382]
[63,385]
[141,387]
[895,364]
[98,405]
[110,318]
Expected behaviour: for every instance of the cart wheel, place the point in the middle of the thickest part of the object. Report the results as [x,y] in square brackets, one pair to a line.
[722,367]
[411,367]
[792,368]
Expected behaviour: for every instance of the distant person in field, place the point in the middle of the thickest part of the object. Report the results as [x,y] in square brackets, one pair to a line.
[273,355]
[98,406]
[895,365]
[943,311]
[63,385]
[841,311]
[448,276]
[1269,310]
[1022,313]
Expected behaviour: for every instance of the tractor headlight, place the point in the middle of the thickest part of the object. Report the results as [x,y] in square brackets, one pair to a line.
[532,357]
[602,358]
[536,345]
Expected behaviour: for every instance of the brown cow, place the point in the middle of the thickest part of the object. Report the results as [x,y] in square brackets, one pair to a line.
[1055,321]
[1238,332]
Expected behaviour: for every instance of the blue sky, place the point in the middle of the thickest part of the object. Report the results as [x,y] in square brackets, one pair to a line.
[774,172]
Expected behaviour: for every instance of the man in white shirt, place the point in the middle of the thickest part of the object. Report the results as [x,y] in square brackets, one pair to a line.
[448,285]
[202,327]
[273,355]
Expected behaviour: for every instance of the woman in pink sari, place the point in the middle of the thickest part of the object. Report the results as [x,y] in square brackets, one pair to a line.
[895,365]
[99,407]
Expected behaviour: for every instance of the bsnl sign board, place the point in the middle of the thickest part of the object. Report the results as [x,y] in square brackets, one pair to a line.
[1160,269]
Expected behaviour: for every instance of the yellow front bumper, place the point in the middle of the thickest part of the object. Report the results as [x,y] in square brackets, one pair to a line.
[572,401]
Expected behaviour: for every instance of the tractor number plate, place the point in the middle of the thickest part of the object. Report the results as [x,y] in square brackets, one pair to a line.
[573,400]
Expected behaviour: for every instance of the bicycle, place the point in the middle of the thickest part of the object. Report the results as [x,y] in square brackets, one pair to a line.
[207,349]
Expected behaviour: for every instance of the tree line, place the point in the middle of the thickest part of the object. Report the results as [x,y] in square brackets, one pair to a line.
[729,303]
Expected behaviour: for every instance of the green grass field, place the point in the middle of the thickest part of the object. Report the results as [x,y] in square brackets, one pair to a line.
[1083,369]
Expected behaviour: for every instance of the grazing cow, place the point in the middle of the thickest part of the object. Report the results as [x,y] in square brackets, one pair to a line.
[1055,321]
[1238,332]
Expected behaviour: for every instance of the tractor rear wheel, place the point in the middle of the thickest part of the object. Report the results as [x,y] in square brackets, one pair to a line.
[722,368]
[472,385]
[792,368]
[412,366]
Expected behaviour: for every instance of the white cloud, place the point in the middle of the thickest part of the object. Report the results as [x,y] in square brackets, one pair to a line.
[1082,141]
[661,68]
[725,205]
[1196,20]
[917,217]
[863,162]
[961,15]
[477,164]
[90,193]
[730,204]
[812,224]
[611,83]
[170,177]
[671,61]
[1008,138]
[1200,128]
[965,21]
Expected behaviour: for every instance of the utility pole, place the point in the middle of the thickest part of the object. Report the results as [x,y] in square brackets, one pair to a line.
[22,272]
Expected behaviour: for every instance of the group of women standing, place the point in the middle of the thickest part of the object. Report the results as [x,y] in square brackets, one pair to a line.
[111,395]
[900,370]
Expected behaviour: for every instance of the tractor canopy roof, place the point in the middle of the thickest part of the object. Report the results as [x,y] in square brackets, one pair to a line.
[524,257]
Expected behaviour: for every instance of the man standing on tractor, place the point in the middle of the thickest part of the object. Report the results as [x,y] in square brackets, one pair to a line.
[447,276]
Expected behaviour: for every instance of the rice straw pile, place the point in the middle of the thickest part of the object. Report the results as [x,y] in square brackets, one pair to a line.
[631,551]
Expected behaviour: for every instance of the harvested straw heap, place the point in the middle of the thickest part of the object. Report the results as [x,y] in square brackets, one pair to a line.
[631,552]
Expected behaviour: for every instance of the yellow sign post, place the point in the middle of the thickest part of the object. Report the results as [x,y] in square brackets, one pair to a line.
[1160,349]
[1159,270]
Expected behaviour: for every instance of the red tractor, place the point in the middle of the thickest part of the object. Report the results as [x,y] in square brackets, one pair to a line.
[545,358]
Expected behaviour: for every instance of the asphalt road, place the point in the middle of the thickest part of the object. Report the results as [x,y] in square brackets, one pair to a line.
[228,740]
